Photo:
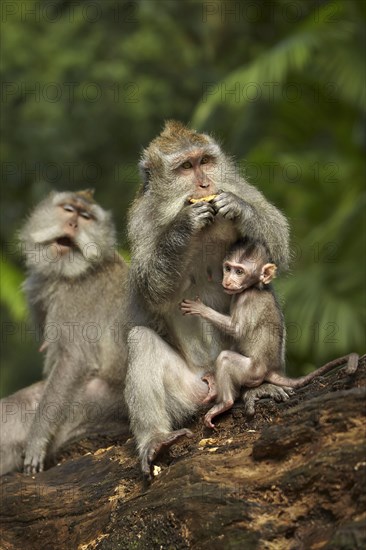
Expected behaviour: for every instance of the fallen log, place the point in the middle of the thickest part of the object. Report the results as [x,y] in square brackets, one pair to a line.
[292,477]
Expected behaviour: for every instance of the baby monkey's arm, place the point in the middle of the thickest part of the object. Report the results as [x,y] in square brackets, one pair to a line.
[222,322]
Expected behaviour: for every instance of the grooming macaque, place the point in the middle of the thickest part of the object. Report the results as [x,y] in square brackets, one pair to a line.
[177,251]
[76,288]
[257,329]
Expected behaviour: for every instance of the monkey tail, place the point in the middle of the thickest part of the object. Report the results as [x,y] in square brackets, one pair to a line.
[281,380]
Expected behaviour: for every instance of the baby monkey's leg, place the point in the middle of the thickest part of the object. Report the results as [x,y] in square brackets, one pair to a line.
[233,370]
[210,379]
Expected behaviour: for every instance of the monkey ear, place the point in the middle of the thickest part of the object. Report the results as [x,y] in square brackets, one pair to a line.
[268,273]
[145,175]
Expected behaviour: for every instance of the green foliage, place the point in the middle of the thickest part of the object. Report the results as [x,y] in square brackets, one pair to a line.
[11,297]
[88,84]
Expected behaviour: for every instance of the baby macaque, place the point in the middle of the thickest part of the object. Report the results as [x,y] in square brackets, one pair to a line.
[257,327]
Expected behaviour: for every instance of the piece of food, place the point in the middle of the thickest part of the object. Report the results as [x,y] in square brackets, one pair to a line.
[203,199]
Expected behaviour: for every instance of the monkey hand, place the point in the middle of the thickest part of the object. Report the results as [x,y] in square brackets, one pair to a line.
[192,307]
[200,215]
[229,206]
[160,443]
[252,395]
[34,456]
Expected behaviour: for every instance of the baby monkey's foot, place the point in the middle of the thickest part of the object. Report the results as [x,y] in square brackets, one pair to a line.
[157,445]
[215,410]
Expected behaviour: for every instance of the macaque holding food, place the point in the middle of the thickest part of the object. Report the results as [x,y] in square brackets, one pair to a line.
[256,325]
[192,206]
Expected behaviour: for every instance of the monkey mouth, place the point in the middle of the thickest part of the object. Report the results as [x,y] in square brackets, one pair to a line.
[231,290]
[64,244]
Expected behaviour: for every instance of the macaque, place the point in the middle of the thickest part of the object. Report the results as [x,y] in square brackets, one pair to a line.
[257,329]
[76,288]
[177,249]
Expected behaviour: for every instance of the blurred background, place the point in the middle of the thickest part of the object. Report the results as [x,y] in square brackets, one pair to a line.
[281,84]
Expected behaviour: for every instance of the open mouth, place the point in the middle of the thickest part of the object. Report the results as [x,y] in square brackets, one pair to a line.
[65,245]
[65,242]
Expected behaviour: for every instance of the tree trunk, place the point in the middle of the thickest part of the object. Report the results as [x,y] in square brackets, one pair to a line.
[293,477]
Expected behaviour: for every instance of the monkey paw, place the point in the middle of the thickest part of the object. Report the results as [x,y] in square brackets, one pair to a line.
[208,421]
[228,205]
[157,445]
[252,395]
[219,408]
[34,459]
[201,214]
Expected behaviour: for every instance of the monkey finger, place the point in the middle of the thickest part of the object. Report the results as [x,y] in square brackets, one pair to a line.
[205,216]
[30,469]
[146,466]
[249,401]
[218,202]
[226,211]
[207,422]
[186,307]
[282,394]
[203,206]
[209,216]
[34,458]
[219,195]
[205,219]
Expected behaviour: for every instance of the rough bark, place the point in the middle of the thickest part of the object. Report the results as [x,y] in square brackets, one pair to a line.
[291,478]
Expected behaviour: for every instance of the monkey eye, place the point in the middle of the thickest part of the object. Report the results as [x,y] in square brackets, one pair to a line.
[226,268]
[186,165]
[239,271]
[85,215]
[205,160]
[68,208]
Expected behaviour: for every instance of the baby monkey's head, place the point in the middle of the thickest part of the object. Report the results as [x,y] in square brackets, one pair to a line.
[247,264]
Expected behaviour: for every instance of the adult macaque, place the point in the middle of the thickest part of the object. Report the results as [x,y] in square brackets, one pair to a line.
[77,293]
[256,326]
[177,252]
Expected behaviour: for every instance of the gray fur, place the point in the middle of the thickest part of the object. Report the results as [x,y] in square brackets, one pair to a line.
[82,310]
[177,252]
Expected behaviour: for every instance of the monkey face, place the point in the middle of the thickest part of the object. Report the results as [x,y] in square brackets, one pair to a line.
[251,271]
[182,164]
[235,277]
[188,174]
[66,235]
[240,276]
[195,173]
